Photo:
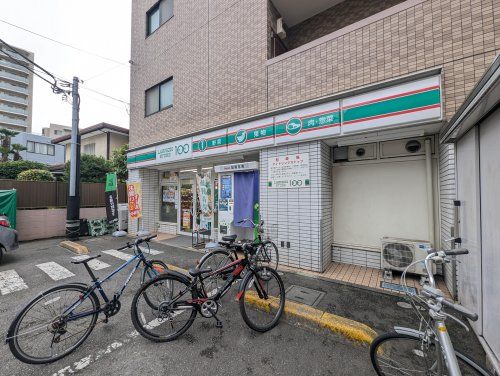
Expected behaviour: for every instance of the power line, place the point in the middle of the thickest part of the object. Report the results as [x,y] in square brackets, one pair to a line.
[106,95]
[63,44]
[103,72]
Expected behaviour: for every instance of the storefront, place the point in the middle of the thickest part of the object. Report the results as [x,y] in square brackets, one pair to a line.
[334,176]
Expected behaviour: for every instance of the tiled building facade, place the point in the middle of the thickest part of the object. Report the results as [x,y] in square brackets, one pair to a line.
[225,72]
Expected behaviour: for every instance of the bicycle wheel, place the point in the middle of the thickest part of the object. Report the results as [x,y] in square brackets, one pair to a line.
[173,314]
[400,354]
[267,255]
[215,260]
[42,334]
[148,273]
[262,299]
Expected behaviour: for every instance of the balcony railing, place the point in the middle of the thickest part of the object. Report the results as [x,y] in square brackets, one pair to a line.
[12,98]
[8,64]
[13,110]
[9,120]
[17,89]
[14,77]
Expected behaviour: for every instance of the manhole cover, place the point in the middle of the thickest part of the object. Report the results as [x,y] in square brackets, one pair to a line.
[304,295]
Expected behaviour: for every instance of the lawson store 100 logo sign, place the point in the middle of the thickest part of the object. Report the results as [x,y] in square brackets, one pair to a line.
[173,151]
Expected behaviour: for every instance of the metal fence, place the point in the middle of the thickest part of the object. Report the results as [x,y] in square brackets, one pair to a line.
[48,194]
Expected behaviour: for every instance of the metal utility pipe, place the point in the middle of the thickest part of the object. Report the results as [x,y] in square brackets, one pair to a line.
[430,195]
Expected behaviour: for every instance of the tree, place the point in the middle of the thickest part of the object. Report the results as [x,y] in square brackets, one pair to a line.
[16,150]
[93,169]
[5,143]
[119,162]
[35,175]
[10,169]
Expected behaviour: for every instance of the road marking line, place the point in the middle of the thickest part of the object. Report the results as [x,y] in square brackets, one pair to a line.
[118,254]
[55,271]
[94,264]
[87,360]
[10,281]
[152,252]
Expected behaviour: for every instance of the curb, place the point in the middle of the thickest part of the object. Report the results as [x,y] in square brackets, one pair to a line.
[352,330]
[74,247]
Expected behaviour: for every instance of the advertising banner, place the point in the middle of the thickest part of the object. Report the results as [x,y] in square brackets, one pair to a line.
[111,197]
[134,195]
[204,183]
[289,171]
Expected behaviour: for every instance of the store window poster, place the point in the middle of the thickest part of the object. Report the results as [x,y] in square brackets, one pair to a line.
[226,187]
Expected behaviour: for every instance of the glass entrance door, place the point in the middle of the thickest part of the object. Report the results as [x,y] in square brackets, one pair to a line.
[186,212]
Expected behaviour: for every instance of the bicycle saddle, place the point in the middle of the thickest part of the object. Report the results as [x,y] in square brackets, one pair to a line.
[229,238]
[86,260]
[196,272]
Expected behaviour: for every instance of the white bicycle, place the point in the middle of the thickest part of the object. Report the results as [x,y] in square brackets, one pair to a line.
[428,350]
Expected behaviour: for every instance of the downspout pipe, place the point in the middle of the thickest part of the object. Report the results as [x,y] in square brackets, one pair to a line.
[430,195]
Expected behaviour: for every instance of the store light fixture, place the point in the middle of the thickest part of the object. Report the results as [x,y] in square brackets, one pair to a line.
[207,168]
[188,171]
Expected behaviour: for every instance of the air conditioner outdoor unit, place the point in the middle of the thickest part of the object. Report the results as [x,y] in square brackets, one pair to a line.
[398,254]
[280,30]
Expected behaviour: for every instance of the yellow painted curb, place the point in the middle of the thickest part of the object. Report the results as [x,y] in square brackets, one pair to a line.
[348,328]
[74,247]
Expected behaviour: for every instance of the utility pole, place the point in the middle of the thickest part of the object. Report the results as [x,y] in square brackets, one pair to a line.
[73,206]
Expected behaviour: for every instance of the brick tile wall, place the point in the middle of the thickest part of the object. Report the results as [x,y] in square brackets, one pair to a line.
[334,18]
[216,52]
[462,36]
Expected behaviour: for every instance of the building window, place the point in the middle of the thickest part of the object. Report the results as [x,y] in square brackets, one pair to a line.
[89,149]
[160,97]
[56,132]
[40,148]
[160,13]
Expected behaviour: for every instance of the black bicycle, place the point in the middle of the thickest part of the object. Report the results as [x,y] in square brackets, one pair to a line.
[60,319]
[266,254]
[179,298]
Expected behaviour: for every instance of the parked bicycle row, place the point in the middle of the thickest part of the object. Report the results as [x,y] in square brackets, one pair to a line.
[59,320]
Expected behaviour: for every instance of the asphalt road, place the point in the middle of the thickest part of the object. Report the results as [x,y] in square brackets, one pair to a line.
[116,349]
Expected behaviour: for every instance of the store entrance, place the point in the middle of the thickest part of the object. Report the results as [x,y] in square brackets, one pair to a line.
[186,213]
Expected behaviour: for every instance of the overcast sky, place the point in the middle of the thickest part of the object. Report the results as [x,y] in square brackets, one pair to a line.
[99,26]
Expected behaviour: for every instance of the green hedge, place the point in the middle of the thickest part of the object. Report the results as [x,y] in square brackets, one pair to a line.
[10,170]
[35,175]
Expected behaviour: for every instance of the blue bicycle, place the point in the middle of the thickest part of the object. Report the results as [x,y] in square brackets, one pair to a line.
[60,319]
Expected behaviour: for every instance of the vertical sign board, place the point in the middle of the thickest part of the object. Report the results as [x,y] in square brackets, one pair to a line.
[134,195]
[111,197]
[400,105]
[174,151]
[288,171]
[254,134]
[210,143]
[314,122]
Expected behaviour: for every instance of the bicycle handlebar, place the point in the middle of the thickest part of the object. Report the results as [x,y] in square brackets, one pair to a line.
[137,242]
[458,308]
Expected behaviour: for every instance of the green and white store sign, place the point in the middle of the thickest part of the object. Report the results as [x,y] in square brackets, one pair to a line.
[396,106]
[174,151]
[251,135]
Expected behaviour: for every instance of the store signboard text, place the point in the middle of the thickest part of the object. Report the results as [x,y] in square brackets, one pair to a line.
[289,171]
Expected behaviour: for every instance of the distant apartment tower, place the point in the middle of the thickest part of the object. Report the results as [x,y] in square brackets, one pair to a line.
[56,130]
[16,90]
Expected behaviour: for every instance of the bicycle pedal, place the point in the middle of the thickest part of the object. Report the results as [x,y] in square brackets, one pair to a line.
[218,324]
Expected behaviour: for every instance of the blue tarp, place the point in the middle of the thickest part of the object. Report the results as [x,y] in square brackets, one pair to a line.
[246,194]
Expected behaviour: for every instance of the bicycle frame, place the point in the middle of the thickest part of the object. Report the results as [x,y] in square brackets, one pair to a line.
[97,285]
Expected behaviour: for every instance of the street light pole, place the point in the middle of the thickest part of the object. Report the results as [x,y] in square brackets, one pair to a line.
[73,206]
